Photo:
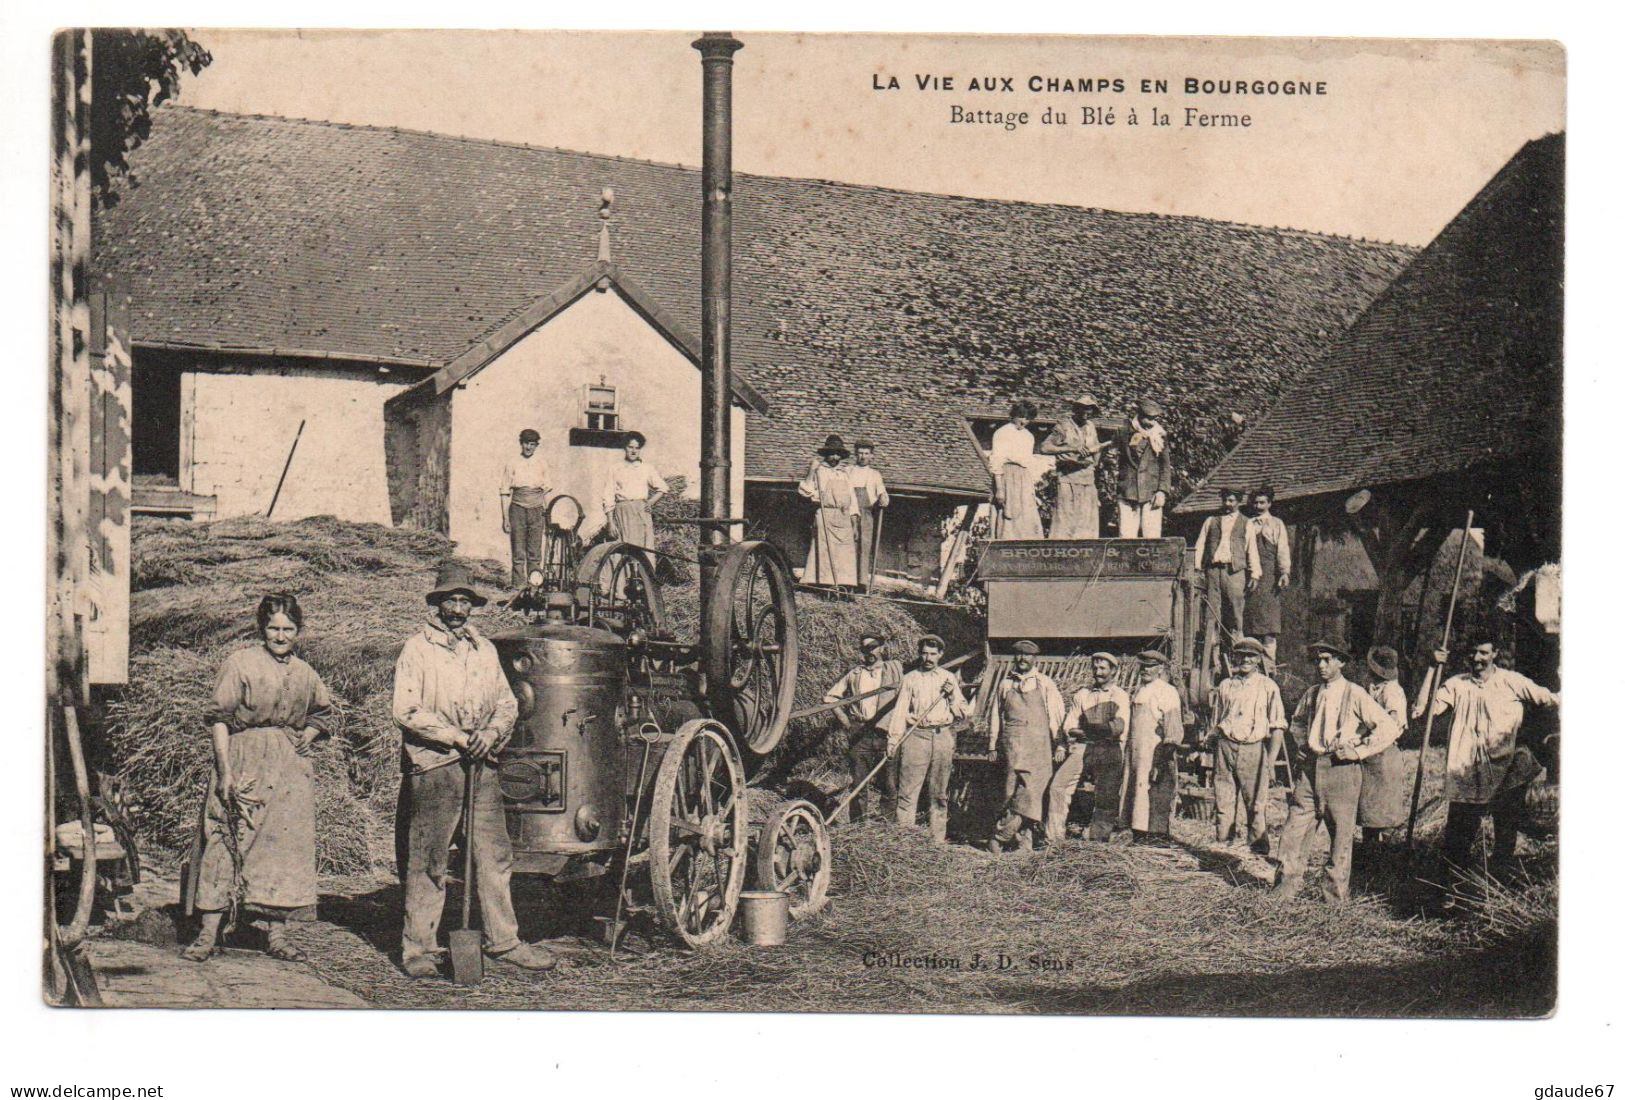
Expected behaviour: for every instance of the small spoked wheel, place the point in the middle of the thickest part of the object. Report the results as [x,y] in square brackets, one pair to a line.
[792,856]
[621,592]
[697,833]
[751,650]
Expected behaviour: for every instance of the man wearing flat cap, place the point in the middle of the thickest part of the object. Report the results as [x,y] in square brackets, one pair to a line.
[1075,445]
[1249,715]
[1024,724]
[453,706]
[1335,726]
[523,493]
[1156,727]
[864,719]
[1096,726]
[832,559]
[921,735]
[1145,473]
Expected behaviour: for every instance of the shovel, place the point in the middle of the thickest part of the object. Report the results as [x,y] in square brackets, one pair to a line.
[467,960]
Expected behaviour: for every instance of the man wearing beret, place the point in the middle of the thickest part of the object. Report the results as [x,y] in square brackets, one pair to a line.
[1156,727]
[1248,716]
[864,719]
[1145,473]
[1335,726]
[1096,725]
[1026,717]
[921,734]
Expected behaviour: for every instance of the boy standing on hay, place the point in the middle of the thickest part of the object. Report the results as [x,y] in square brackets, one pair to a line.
[1335,726]
[1025,722]
[1249,716]
[454,706]
[929,702]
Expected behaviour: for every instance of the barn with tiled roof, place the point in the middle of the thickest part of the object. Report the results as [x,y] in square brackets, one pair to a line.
[859,310]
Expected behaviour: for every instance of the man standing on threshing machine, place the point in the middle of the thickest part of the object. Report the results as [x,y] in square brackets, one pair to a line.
[1156,727]
[1263,612]
[1248,719]
[921,734]
[867,744]
[1076,447]
[832,559]
[870,489]
[1144,474]
[1336,725]
[1096,725]
[1486,770]
[631,491]
[1024,725]
[1015,479]
[454,707]
[1382,782]
[523,493]
[1227,558]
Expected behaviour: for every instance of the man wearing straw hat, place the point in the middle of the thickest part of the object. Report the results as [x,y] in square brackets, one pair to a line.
[453,705]
[921,734]
[631,491]
[523,492]
[1144,473]
[864,718]
[1335,726]
[1383,788]
[1156,727]
[1076,447]
[870,489]
[1024,724]
[832,559]
[1096,725]
[1248,717]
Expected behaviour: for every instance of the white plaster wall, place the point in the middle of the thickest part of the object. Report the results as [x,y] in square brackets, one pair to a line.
[537,384]
[241,422]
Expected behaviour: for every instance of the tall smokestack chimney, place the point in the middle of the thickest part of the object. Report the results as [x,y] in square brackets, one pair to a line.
[716,286]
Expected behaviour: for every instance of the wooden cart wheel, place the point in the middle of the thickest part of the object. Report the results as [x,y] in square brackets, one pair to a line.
[750,644]
[792,855]
[620,589]
[698,833]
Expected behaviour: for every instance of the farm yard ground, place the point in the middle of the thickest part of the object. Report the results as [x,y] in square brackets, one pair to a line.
[1085,928]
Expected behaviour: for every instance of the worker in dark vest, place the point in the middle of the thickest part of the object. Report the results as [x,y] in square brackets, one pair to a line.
[1145,469]
[1263,612]
[1227,559]
[865,719]
[1075,446]
[1096,726]
[1335,726]
[523,492]
[1023,727]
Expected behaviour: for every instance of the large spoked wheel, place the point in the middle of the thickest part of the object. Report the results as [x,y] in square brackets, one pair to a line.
[697,833]
[621,592]
[792,856]
[750,652]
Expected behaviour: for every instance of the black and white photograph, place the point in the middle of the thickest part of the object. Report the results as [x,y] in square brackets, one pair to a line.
[747,522]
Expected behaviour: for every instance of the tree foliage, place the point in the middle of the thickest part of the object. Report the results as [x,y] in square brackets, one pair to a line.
[132,71]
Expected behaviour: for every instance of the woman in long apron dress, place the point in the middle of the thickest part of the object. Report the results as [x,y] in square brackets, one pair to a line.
[832,558]
[1015,484]
[259,824]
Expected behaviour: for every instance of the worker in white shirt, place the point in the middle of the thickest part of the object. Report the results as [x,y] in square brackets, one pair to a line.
[921,735]
[1095,726]
[631,491]
[865,719]
[870,489]
[523,493]
[1024,725]
[1249,715]
[1156,728]
[1015,477]
[1227,559]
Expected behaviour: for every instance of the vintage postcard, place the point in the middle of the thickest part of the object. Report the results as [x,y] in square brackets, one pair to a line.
[813,523]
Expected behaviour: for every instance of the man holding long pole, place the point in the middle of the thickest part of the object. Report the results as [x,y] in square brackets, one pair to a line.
[929,701]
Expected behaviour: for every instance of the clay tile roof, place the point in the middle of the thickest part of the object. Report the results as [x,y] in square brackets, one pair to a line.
[867,311]
[1457,364]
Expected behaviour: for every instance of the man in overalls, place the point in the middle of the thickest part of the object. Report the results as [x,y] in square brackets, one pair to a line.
[1025,722]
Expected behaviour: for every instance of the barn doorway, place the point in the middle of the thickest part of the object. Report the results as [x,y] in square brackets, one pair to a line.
[156,429]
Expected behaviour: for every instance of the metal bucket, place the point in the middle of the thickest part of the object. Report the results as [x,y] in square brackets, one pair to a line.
[767,916]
